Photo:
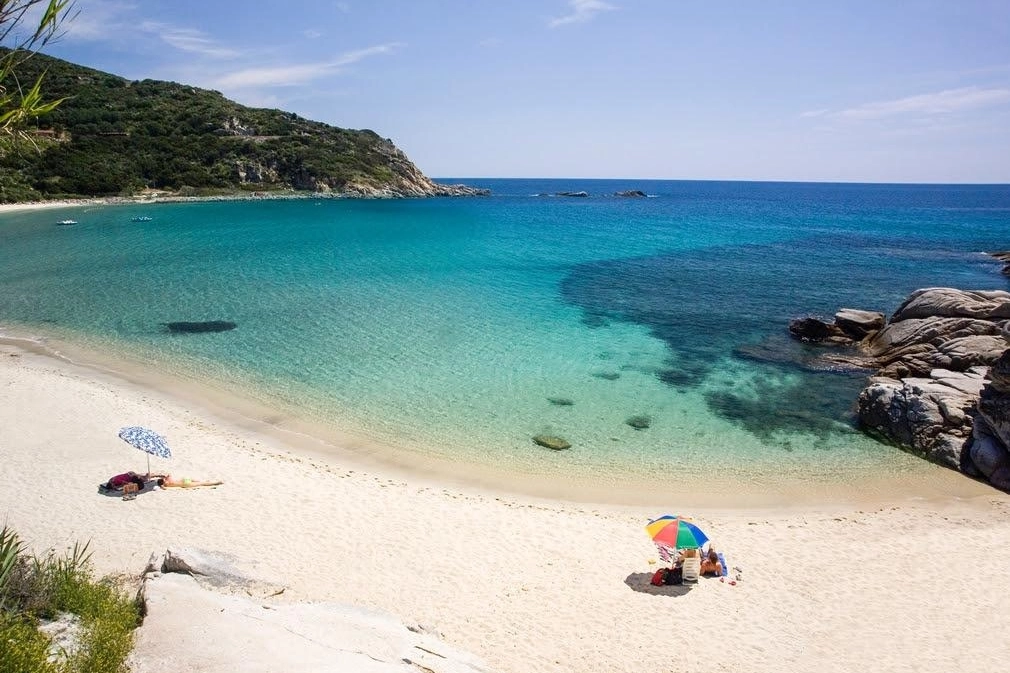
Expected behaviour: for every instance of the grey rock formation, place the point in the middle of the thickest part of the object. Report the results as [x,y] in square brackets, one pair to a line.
[931,416]
[857,324]
[945,302]
[942,383]
[632,193]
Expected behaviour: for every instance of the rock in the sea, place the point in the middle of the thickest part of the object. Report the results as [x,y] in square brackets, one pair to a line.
[197,327]
[639,422]
[1003,256]
[552,442]
[632,193]
[811,329]
[942,383]
[859,324]
[607,376]
[561,401]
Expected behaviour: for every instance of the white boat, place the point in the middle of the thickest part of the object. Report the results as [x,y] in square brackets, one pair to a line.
[67,222]
[141,218]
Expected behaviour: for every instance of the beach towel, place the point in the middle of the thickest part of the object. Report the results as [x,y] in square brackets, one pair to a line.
[725,567]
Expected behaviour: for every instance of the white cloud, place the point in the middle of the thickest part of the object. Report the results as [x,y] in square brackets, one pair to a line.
[188,40]
[291,75]
[581,11]
[938,103]
[814,113]
[344,7]
[312,34]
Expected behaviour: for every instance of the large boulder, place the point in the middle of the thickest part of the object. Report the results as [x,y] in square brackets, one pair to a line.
[930,416]
[859,324]
[913,347]
[947,302]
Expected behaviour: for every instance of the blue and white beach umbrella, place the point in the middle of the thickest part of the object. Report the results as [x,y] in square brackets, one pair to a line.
[148,441]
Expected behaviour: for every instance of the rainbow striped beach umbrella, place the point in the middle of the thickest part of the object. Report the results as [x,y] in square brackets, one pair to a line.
[675,532]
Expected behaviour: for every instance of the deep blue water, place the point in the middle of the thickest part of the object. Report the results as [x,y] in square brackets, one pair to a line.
[447,326]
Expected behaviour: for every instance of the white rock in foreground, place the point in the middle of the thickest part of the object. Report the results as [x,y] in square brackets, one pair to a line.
[191,628]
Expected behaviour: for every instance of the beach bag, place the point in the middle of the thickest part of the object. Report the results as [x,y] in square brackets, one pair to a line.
[117,482]
[659,577]
[675,576]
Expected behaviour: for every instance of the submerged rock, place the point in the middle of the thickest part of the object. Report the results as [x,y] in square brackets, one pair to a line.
[561,401]
[552,442]
[197,327]
[639,422]
[607,376]
[631,193]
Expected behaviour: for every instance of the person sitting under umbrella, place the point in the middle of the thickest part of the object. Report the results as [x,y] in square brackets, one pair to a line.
[710,564]
[167,481]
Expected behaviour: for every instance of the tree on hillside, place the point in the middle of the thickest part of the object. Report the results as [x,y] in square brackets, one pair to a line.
[19,104]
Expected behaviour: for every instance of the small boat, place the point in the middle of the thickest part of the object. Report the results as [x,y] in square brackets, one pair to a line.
[67,222]
[141,218]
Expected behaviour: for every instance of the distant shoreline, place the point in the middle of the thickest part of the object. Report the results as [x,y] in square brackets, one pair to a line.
[175,198]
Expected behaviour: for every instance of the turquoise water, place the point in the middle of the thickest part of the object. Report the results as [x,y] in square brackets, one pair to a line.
[444,327]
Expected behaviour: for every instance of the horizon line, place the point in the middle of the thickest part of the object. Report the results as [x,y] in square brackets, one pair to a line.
[753,180]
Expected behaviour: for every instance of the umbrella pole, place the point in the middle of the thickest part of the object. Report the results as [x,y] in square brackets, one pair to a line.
[148,465]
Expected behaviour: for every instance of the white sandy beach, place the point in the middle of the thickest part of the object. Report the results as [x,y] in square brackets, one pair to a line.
[526,584]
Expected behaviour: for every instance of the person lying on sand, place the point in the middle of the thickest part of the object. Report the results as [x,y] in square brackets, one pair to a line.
[117,482]
[167,480]
[710,564]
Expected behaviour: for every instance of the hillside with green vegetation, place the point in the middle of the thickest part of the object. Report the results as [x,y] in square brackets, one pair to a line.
[116,137]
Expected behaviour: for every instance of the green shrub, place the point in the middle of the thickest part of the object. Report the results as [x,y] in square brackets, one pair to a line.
[36,588]
[23,648]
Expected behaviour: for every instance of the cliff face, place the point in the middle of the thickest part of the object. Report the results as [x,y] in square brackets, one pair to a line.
[112,136]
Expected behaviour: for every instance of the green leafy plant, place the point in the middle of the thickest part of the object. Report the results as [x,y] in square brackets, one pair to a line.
[19,105]
[11,550]
[52,586]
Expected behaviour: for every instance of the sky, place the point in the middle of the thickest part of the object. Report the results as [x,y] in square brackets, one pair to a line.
[806,90]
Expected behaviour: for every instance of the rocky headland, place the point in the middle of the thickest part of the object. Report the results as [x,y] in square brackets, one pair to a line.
[940,383]
[113,137]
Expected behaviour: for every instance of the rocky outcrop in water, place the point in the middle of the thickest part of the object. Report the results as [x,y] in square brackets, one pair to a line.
[632,194]
[199,327]
[1004,257]
[941,387]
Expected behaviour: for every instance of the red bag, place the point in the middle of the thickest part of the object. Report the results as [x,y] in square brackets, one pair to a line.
[659,577]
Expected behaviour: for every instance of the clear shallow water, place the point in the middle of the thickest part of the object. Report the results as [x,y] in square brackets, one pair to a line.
[444,327]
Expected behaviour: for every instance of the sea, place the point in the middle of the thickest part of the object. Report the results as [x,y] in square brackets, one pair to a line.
[649,332]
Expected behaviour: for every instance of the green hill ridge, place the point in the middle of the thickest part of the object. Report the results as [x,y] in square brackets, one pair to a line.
[116,137]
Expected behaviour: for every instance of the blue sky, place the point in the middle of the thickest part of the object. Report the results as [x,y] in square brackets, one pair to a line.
[911,91]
